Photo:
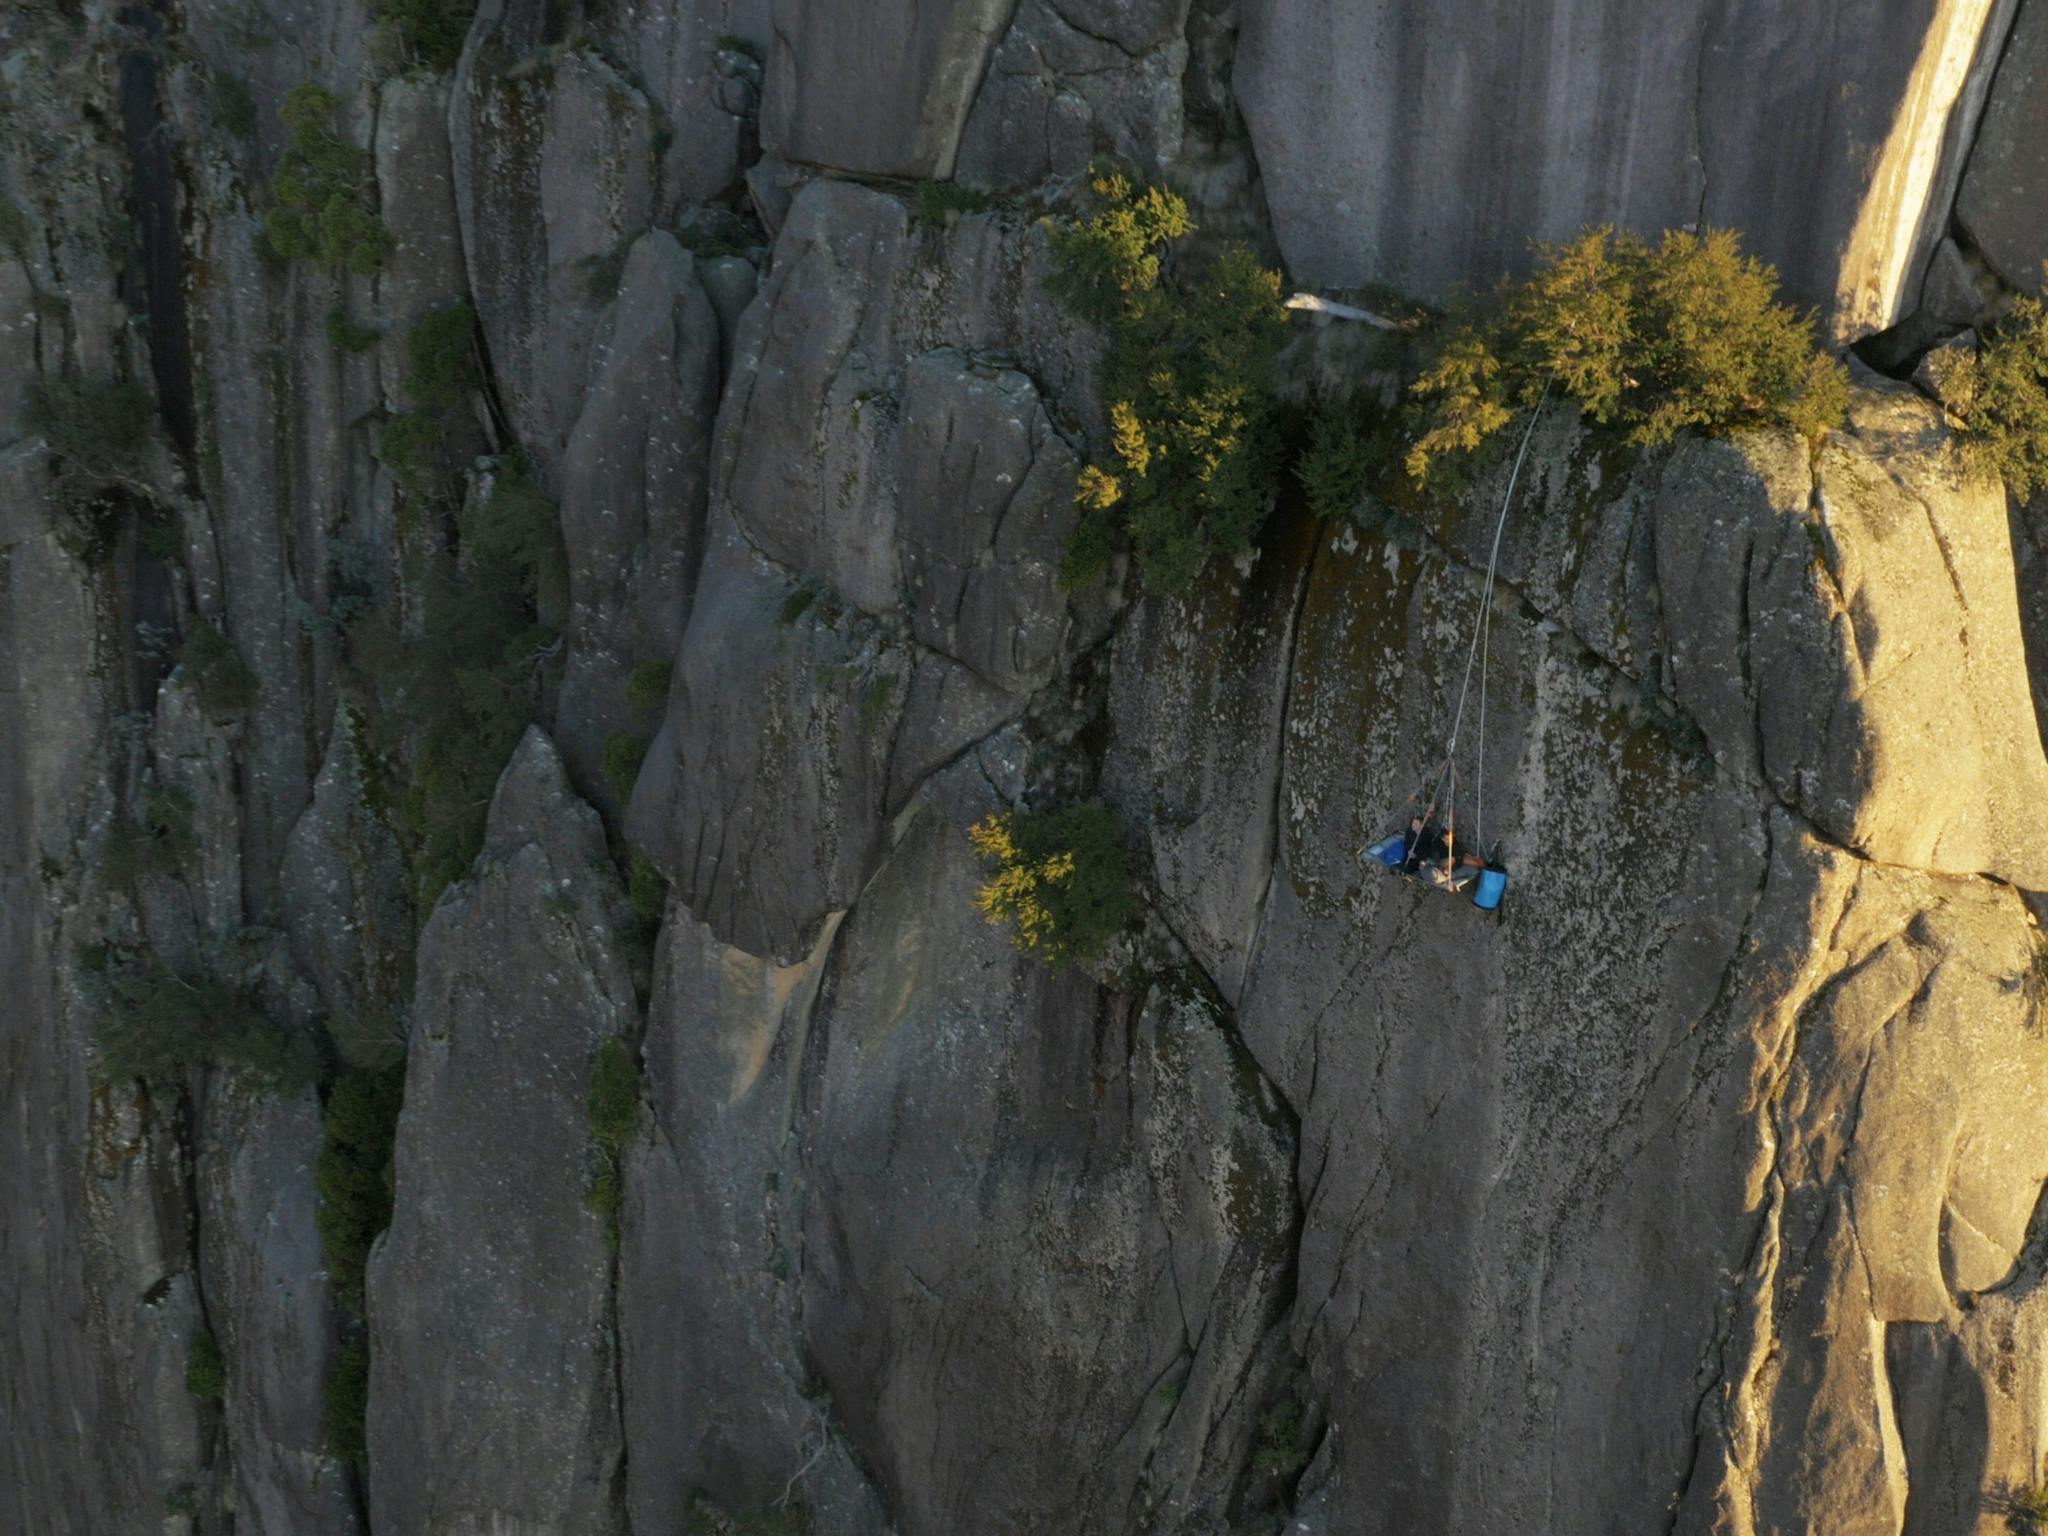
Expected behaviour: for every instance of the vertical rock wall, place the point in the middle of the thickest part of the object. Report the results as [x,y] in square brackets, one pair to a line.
[1699,1191]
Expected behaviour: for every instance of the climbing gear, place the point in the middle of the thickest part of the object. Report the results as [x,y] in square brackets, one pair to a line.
[1492,883]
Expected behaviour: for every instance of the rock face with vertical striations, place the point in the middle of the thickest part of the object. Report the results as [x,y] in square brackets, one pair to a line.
[492,1389]
[1426,146]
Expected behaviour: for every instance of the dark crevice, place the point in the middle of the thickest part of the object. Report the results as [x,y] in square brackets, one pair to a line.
[155,276]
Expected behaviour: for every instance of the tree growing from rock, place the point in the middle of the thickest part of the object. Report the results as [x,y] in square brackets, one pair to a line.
[1060,879]
[1194,453]
[1686,334]
[1998,395]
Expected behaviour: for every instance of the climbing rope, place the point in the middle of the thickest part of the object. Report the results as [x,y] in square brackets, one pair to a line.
[1479,654]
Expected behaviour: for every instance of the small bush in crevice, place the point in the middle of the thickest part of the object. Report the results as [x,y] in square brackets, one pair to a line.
[441,359]
[1277,1451]
[234,106]
[321,211]
[612,1103]
[624,752]
[647,687]
[1998,395]
[1061,879]
[156,1024]
[441,368]
[372,1039]
[99,431]
[345,334]
[602,274]
[646,892]
[1348,449]
[2024,1506]
[158,844]
[220,680]
[410,447]
[613,1098]
[430,32]
[937,201]
[345,1405]
[206,1372]
[1684,335]
[1194,456]
[353,1174]
[446,708]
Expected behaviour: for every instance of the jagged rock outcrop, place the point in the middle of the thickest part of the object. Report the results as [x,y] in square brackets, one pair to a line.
[493,1403]
[633,491]
[266,1291]
[888,497]
[554,178]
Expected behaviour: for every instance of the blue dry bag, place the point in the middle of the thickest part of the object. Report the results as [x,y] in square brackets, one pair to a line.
[1493,884]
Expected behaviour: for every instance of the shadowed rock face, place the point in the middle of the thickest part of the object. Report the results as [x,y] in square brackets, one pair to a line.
[1700,1191]
[2001,195]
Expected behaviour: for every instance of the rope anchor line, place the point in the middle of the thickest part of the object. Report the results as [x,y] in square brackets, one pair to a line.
[1479,656]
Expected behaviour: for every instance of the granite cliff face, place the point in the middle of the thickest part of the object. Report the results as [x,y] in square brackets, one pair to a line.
[1702,1192]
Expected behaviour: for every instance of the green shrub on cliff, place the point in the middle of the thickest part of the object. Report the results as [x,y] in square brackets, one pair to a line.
[1060,879]
[220,680]
[206,1370]
[321,211]
[1349,446]
[612,1102]
[156,843]
[1687,334]
[444,708]
[98,428]
[429,32]
[935,202]
[441,359]
[624,752]
[1998,394]
[346,334]
[647,688]
[158,1024]
[1194,453]
[353,1174]
[345,1404]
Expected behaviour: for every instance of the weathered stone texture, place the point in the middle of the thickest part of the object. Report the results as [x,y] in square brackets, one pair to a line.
[267,1303]
[1113,1255]
[553,169]
[492,1394]
[2006,185]
[1075,79]
[881,90]
[633,494]
[1426,146]
[888,504]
